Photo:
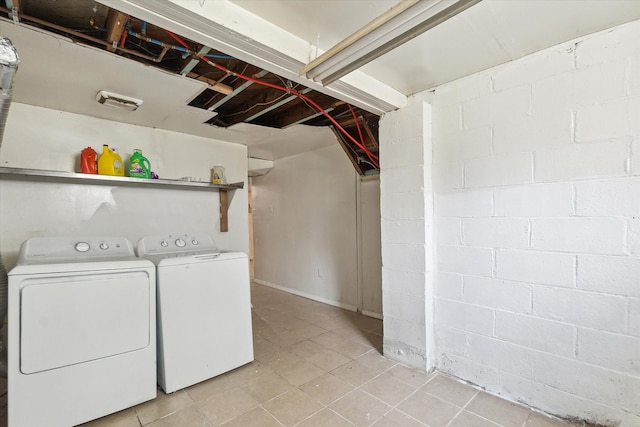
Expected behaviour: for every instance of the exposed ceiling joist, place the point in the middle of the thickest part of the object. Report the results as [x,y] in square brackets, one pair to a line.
[213,84]
[225,26]
[307,118]
[194,61]
[275,106]
[115,28]
[237,92]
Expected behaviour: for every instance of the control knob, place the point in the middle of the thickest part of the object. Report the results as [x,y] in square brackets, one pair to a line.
[180,243]
[82,246]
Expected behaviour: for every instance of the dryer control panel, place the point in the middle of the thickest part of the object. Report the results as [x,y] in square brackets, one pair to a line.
[175,243]
[59,249]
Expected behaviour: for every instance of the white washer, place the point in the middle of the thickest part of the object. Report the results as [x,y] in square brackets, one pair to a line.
[204,308]
[81,336]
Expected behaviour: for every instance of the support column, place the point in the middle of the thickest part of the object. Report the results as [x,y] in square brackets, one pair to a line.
[406,205]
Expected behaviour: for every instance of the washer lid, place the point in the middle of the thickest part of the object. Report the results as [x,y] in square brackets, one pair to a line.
[194,258]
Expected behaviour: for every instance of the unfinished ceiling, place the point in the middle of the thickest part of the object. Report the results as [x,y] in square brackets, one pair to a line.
[271,41]
[232,92]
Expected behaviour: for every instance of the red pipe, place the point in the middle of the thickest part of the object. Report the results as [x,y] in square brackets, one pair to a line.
[374,159]
[178,39]
[371,156]
[123,37]
[355,118]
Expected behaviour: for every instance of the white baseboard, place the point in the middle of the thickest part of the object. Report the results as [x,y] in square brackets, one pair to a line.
[372,314]
[306,295]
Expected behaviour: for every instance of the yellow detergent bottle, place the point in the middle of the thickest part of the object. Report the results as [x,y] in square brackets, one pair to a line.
[110,162]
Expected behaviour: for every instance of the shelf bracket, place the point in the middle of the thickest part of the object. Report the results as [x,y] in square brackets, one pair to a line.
[224,211]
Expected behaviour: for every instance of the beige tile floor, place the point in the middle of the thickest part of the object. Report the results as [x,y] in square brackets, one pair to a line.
[317,365]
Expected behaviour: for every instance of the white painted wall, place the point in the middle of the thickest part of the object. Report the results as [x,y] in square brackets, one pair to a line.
[537,198]
[306,228]
[41,138]
[370,259]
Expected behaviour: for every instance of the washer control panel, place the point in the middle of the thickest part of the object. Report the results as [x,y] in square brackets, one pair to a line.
[175,243]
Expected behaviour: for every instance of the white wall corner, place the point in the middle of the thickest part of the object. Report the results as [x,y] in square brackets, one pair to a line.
[406,199]
[259,167]
[429,237]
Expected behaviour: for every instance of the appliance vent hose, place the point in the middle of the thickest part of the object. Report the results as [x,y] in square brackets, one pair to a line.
[9,61]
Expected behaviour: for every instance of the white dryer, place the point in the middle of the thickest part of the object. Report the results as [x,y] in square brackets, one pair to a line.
[204,308]
[81,331]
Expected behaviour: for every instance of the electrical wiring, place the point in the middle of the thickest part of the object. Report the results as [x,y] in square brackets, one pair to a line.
[259,104]
[359,157]
[286,87]
[355,118]
[307,104]
[302,96]
[289,86]
[185,47]
[140,46]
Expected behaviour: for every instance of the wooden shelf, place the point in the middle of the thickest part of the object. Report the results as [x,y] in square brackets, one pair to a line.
[39,174]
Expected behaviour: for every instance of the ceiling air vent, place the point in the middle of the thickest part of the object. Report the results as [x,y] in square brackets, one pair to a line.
[118,101]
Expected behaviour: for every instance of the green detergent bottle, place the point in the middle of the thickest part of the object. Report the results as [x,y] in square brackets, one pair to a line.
[139,166]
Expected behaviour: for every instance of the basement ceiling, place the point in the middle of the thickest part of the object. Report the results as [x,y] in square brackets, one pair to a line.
[270,40]
[230,91]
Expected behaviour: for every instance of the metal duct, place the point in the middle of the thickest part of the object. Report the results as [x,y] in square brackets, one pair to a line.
[8,66]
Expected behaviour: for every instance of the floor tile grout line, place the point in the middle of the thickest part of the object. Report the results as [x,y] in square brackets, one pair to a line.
[271,415]
[361,331]
[320,410]
[437,397]
[392,407]
[395,407]
[327,406]
[462,408]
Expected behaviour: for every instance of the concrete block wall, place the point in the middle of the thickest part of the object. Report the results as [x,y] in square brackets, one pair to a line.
[406,202]
[536,176]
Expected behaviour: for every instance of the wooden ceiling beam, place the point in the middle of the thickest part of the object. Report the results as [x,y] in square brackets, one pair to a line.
[114,24]
[268,101]
[302,112]
[347,150]
[370,137]
[213,84]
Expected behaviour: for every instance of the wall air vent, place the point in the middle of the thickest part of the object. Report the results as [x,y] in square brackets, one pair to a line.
[118,101]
